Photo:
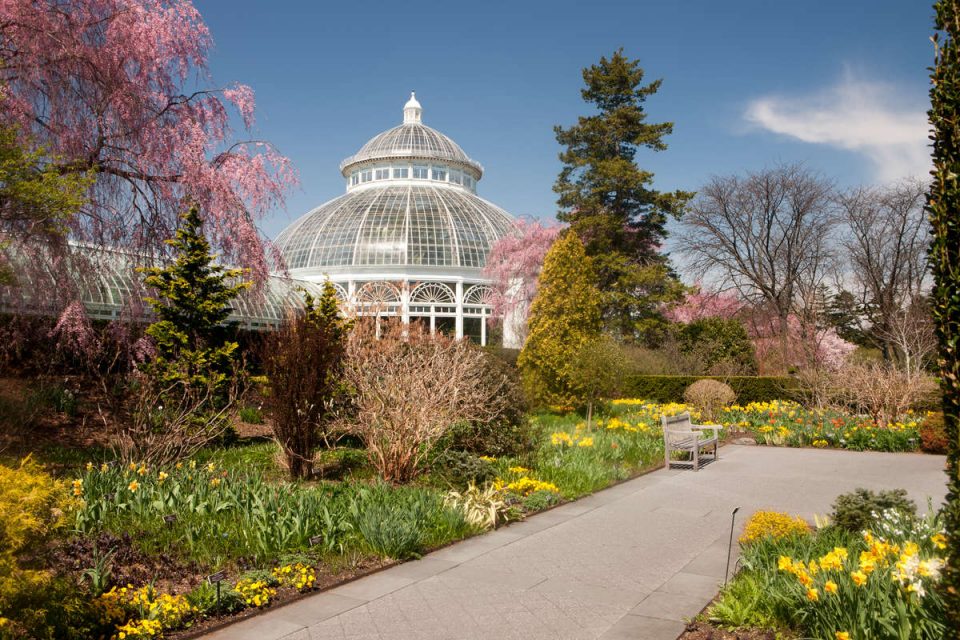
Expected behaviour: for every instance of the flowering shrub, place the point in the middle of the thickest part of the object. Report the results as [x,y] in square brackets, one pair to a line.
[773,524]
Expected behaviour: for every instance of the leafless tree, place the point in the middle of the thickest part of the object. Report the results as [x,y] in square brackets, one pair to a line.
[409,388]
[909,336]
[165,422]
[766,234]
[885,242]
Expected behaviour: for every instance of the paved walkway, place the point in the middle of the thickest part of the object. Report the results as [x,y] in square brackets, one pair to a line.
[633,561]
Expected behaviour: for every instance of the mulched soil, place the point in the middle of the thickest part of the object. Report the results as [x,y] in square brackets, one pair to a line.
[129,564]
[706,631]
[326,579]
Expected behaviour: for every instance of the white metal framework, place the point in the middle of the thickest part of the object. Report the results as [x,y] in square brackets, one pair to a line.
[410,237]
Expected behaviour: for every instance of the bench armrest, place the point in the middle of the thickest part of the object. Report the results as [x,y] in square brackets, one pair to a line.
[713,427]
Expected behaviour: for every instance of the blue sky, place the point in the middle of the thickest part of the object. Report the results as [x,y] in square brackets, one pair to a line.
[839,85]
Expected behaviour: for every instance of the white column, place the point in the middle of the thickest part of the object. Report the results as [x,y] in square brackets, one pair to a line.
[459,332]
[483,327]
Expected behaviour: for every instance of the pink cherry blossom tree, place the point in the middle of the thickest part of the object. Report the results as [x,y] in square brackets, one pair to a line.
[514,267]
[703,303]
[120,90]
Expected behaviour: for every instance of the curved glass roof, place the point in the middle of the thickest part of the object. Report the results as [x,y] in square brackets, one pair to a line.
[400,214]
[109,286]
[396,225]
[412,139]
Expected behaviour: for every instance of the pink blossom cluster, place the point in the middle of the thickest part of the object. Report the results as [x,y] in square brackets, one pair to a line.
[703,303]
[514,265]
[805,346]
[114,88]
[74,332]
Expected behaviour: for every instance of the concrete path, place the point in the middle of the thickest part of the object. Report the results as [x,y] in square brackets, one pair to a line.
[633,561]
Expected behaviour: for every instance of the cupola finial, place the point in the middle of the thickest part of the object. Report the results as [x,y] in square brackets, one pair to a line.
[412,111]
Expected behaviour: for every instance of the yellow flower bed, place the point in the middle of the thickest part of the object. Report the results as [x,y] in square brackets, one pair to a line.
[772,523]
[525,486]
[255,593]
[142,612]
[299,576]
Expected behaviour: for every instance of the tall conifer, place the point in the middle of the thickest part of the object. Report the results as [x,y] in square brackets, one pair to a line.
[609,200]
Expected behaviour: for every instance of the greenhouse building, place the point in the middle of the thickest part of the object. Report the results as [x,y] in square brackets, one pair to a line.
[410,236]
[408,239]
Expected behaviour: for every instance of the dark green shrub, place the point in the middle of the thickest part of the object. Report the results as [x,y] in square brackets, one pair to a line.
[722,344]
[460,468]
[671,388]
[540,500]
[858,510]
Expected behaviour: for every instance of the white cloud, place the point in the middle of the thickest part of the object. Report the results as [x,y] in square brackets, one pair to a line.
[869,118]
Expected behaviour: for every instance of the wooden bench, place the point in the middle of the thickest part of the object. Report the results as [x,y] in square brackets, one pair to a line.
[680,434]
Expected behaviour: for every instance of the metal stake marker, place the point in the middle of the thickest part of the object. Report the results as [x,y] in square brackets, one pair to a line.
[733,518]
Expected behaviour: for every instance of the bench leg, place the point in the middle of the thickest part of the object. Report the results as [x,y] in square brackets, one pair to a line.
[666,454]
[696,458]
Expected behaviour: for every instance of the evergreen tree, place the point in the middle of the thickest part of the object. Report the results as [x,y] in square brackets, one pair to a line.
[609,201]
[943,207]
[192,303]
[564,316]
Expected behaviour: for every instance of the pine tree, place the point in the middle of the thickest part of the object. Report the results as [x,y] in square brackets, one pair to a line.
[609,201]
[192,303]
[565,316]
[943,207]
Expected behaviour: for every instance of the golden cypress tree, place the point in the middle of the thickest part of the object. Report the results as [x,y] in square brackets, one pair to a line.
[565,315]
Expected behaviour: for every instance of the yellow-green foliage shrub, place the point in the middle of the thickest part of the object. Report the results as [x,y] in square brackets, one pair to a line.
[564,316]
[773,524]
[33,508]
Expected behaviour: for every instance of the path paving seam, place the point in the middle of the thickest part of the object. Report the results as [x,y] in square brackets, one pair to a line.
[633,561]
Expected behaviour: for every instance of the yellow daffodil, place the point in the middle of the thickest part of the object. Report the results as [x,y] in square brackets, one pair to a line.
[830,587]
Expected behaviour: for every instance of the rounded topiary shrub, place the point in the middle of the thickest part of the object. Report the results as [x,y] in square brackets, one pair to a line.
[709,396]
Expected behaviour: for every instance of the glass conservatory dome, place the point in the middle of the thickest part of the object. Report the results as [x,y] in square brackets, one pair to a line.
[410,227]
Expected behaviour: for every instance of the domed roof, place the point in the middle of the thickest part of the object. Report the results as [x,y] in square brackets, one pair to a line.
[403,225]
[412,139]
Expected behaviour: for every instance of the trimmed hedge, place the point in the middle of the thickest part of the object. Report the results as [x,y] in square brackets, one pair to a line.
[671,388]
